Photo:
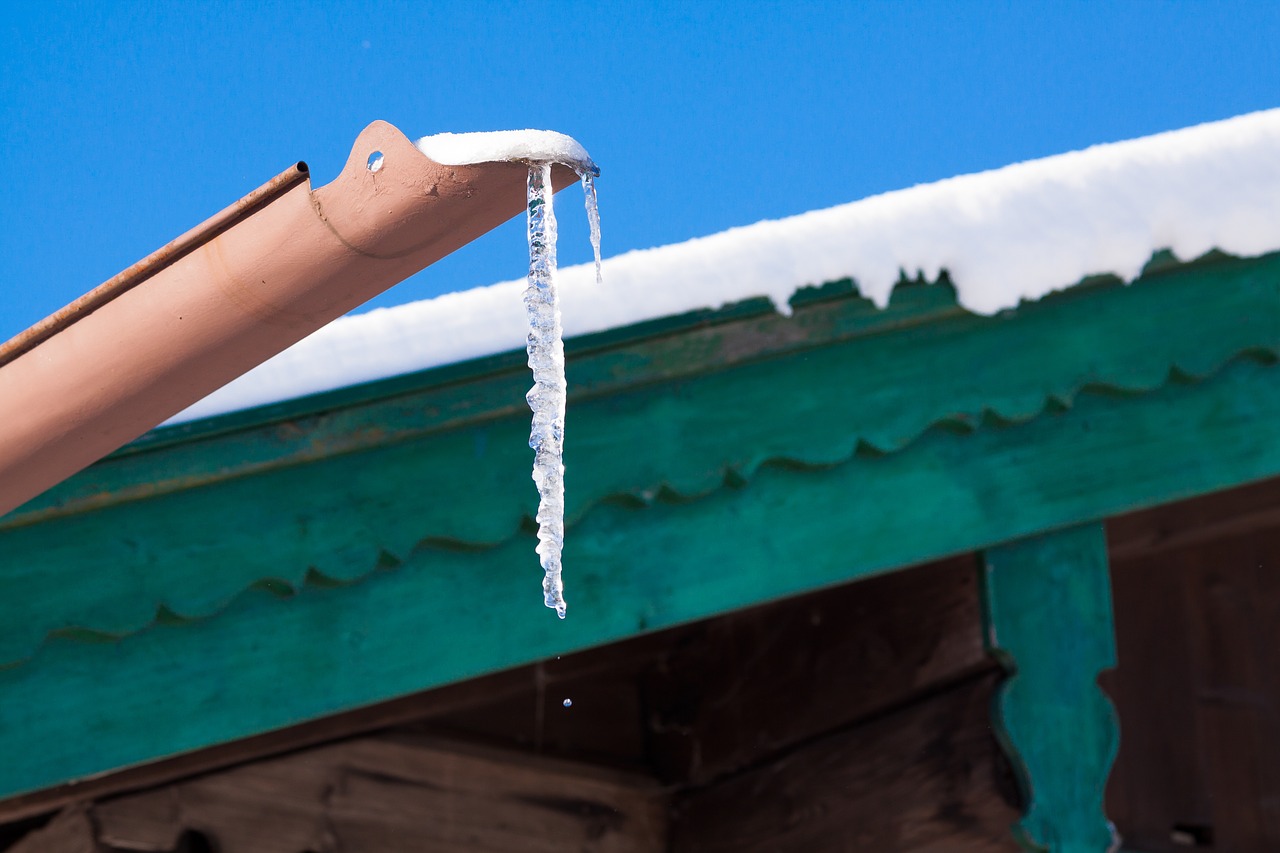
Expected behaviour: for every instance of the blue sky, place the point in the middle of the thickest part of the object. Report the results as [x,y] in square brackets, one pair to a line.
[126,124]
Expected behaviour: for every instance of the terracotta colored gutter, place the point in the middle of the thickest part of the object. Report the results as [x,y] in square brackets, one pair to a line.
[226,296]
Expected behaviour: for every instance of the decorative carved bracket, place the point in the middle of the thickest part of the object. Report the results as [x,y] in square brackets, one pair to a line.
[1047,612]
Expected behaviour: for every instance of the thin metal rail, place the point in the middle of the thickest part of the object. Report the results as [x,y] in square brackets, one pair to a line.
[150,265]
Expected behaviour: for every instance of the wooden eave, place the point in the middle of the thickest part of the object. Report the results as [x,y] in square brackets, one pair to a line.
[224,578]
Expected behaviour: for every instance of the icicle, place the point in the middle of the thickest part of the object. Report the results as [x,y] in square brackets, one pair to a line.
[546,357]
[547,396]
[593,217]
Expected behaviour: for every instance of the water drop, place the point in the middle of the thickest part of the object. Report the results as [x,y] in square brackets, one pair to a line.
[568,703]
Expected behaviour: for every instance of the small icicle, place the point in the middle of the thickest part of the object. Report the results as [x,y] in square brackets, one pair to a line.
[547,396]
[593,217]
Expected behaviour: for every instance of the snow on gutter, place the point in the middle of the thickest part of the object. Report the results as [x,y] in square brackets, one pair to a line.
[1004,236]
[256,278]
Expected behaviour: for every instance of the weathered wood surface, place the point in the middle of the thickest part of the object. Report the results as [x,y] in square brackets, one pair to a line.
[1193,315]
[1047,607]
[702,701]
[924,779]
[742,688]
[1180,769]
[1156,784]
[71,831]
[271,661]
[358,585]
[468,701]
[655,701]
[923,773]
[1198,521]
[1199,645]
[677,413]
[404,795]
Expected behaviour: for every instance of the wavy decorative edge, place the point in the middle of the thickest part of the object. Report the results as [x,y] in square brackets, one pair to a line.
[664,492]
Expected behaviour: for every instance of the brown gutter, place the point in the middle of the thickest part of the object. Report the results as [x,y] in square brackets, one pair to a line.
[153,263]
[226,296]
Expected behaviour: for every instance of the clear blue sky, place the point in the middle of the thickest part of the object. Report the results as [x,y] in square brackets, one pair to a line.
[124,124]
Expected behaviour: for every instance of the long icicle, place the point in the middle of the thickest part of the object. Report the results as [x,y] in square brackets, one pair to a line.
[547,396]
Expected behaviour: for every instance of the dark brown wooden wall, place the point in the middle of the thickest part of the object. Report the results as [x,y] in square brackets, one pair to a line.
[1197,598]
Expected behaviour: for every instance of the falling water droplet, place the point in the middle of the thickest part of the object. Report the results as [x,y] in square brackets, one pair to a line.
[568,703]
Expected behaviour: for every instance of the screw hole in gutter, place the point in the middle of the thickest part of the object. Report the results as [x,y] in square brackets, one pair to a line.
[375,161]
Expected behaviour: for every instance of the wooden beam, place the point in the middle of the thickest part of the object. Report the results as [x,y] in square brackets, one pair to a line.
[1199,648]
[402,794]
[751,685]
[927,778]
[1173,527]
[70,831]
[461,698]
[872,646]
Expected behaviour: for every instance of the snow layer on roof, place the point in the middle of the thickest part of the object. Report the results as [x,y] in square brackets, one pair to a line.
[530,146]
[1004,236]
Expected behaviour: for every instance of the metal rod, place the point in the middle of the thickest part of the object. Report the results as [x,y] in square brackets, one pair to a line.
[150,265]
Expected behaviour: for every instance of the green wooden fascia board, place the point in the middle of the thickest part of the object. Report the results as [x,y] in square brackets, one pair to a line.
[278,655]
[1242,295]
[178,530]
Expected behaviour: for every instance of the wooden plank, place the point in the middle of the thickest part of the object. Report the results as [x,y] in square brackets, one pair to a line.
[436,708]
[1235,586]
[725,693]
[604,723]
[197,525]
[71,831]
[1047,607]
[1198,648]
[850,651]
[927,778]
[1156,784]
[752,684]
[1171,527]
[269,662]
[402,794]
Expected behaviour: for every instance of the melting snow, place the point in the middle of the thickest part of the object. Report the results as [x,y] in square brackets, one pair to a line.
[1004,236]
[529,146]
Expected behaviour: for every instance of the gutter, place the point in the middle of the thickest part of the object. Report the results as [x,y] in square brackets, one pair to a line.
[231,293]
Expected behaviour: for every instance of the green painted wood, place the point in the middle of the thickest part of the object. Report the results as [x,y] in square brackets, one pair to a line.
[272,659]
[1048,619]
[957,365]
[179,529]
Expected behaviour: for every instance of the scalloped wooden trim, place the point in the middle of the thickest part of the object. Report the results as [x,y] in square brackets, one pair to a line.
[1182,324]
